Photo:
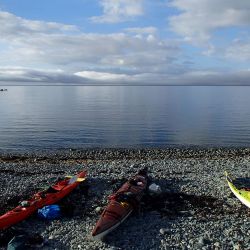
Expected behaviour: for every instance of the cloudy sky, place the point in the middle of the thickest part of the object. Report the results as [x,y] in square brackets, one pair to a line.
[199,42]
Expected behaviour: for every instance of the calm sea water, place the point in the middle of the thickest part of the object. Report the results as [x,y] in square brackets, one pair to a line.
[56,117]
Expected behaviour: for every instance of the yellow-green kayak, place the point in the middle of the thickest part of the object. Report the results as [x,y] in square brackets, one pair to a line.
[242,194]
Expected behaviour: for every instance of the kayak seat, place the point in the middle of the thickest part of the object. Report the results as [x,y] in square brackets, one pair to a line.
[133,182]
[128,197]
[51,190]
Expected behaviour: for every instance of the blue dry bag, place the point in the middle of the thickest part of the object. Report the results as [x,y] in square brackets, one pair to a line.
[50,212]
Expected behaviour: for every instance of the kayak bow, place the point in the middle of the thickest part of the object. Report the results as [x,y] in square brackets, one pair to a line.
[242,194]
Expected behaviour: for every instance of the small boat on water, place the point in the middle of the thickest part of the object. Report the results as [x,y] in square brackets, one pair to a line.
[50,196]
[242,193]
[121,204]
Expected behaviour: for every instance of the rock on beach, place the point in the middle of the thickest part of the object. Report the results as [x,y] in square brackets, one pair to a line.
[196,209]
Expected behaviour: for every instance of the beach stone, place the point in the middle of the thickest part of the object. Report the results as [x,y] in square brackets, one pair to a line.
[164,231]
[51,237]
[98,209]
[192,212]
[191,242]
[201,241]
[217,244]
[236,246]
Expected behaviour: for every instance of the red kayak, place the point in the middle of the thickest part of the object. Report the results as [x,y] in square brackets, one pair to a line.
[121,204]
[50,196]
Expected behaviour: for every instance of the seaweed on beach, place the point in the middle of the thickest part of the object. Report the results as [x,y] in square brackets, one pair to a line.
[180,204]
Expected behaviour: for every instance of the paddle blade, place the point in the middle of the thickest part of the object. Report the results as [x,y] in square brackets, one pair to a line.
[75,178]
[80,179]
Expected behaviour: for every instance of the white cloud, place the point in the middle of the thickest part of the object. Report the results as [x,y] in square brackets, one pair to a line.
[12,26]
[137,55]
[239,50]
[74,52]
[102,76]
[119,11]
[117,55]
[142,30]
[90,50]
[199,18]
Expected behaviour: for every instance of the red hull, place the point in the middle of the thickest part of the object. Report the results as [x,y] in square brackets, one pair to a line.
[121,205]
[52,195]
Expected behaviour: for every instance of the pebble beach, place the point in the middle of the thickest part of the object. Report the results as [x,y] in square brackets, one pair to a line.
[196,209]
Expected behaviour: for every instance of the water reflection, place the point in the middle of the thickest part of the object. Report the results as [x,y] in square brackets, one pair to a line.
[123,116]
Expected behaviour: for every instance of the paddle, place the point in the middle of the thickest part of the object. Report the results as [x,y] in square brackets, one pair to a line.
[74,179]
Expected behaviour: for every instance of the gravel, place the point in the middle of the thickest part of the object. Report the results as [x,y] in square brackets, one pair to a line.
[195,211]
